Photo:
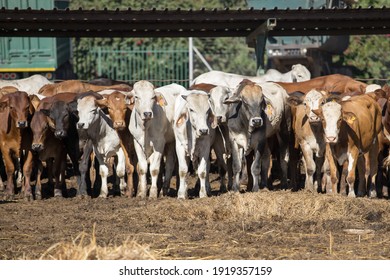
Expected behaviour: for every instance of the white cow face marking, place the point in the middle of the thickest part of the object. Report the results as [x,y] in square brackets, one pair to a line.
[312,101]
[199,113]
[88,112]
[218,96]
[144,99]
[331,120]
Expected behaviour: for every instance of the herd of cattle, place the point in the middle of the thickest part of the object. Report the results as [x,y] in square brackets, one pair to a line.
[256,128]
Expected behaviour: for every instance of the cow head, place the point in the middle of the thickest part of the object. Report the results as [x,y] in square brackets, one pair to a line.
[250,95]
[117,104]
[19,108]
[218,95]
[40,128]
[198,113]
[300,73]
[312,102]
[88,111]
[59,118]
[145,98]
[331,115]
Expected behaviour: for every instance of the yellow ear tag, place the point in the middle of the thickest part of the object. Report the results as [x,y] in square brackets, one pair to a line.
[161,102]
[351,119]
[269,109]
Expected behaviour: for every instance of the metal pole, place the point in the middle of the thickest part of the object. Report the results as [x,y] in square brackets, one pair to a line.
[191,60]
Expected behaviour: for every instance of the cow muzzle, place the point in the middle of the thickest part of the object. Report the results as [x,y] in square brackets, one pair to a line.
[147,116]
[119,125]
[256,122]
[331,139]
[80,125]
[60,134]
[21,124]
[203,131]
[37,147]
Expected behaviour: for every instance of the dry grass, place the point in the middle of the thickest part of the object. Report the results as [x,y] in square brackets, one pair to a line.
[85,247]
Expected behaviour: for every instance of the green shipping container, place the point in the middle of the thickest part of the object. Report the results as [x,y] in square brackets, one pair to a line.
[33,54]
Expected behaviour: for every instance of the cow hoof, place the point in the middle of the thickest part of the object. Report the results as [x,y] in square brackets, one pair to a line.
[28,198]
[81,196]
[103,196]
[351,194]
[38,196]
[8,197]
[373,194]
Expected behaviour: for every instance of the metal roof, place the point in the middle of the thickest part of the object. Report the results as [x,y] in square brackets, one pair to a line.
[192,23]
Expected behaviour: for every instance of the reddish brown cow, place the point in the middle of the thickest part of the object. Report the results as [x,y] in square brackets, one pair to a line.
[119,109]
[48,148]
[77,87]
[15,136]
[332,83]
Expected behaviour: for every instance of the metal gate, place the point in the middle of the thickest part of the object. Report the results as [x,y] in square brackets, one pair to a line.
[158,66]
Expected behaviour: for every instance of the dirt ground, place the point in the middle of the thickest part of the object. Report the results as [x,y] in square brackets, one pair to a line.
[264,225]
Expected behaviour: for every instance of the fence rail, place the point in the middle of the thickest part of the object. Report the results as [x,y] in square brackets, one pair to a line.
[131,65]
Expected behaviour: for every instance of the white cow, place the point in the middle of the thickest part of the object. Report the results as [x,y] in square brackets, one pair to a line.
[298,73]
[31,85]
[151,125]
[105,141]
[194,131]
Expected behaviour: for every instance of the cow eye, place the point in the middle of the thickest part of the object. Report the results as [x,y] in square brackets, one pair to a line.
[322,102]
[304,103]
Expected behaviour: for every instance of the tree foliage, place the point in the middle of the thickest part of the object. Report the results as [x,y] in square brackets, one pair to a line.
[370,53]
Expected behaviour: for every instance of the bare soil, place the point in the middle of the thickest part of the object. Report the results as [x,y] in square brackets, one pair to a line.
[264,225]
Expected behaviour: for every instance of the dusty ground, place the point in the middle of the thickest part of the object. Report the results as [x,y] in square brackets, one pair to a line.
[264,225]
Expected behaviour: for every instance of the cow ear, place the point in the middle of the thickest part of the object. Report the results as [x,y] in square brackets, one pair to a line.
[269,109]
[349,117]
[232,99]
[102,103]
[46,112]
[181,120]
[50,122]
[294,101]
[160,99]
[129,101]
[3,105]
[333,98]
[34,101]
[213,121]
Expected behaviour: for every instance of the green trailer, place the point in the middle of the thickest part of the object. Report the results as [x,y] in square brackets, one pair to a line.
[21,57]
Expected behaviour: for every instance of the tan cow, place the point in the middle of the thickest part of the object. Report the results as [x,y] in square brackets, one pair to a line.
[351,129]
[332,83]
[77,87]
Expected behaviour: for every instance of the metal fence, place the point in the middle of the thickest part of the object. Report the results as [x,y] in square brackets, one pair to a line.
[158,66]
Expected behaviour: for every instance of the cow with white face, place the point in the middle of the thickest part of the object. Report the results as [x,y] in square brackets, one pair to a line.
[194,132]
[98,127]
[151,126]
[309,133]
[351,129]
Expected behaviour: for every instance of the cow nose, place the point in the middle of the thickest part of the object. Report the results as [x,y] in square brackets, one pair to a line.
[147,115]
[331,139]
[204,131]
[119,125]
[80,125]
[37,147]
[22,124]
[60,134]
[314,118]
[256,122]
[219,119]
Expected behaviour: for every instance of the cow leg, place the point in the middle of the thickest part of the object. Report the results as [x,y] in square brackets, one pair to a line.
[255,171]
[319,162]
[332,169]
[27,169]
[103,171]
[202,175]
[284,156]
[353,157]
[236,166]
[142,170]
[222,166]
[121,170]
[373,167]
[83,168]
[9,169]
[169,166]
[310,166]
[38,184]
[265,167]
[183,169]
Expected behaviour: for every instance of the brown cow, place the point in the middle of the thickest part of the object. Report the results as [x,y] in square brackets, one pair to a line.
[48,148]
[16,111]
[119,109]
[332,83]
[351,128]
[77,87]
